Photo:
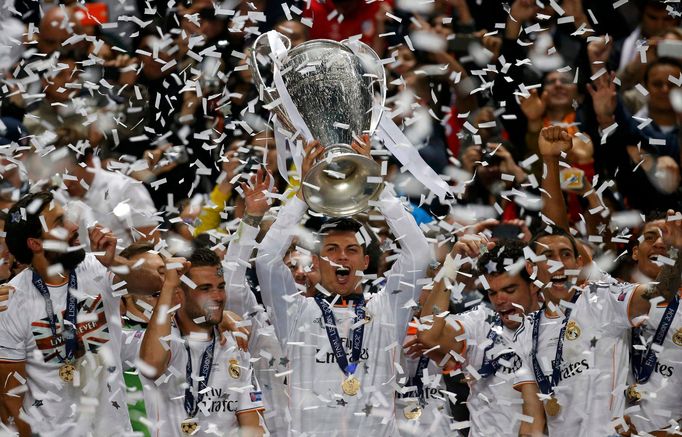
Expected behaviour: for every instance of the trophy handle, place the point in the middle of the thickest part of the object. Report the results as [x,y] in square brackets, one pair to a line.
[372,62]
[262,46]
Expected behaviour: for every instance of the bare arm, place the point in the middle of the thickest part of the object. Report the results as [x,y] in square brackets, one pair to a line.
[553,141]
[532,406]
[442,334]
[249,424]
[12,374]
[152,351]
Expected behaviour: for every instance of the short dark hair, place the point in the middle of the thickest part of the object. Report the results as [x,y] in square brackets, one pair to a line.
[554,232]
[204,257]
[137,248]
[342,224]
[19,228]
[493,261]
[658,62]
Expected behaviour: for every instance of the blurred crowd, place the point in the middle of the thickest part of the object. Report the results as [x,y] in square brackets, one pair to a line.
[143,117]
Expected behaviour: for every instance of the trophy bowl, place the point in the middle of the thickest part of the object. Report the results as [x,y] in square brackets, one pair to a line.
[338,92]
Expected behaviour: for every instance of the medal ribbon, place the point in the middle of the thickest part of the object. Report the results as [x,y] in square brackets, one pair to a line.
[491,364]
[643,364]
[418,375]
[192,402]
[348,369]
[70,315]
[547,386]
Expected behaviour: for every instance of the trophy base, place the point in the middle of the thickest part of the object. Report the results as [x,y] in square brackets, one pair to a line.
[337,184]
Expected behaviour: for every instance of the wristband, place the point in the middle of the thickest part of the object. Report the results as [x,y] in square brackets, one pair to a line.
[252,220]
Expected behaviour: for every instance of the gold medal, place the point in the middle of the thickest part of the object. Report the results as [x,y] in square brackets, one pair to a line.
[350,386]
[66,372]
[677,337]
[552,407]
[572,330]
[632,394]
[412,412]
[189,426]
[234,369]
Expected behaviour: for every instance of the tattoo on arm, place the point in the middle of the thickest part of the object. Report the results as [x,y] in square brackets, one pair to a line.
[668,282]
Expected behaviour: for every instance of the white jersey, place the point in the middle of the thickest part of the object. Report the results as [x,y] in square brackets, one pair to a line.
[495,402]
[54,407]
[264,347]
[228,393]
[117,202]
[435,416]
[595,359]
[317,403]
[661,400]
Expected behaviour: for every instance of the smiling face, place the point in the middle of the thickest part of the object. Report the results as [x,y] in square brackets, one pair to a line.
[649,247]
[511,297]
[340,261]
[207,300]
[553,271]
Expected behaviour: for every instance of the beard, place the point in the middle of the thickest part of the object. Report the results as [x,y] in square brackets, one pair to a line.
[68,260]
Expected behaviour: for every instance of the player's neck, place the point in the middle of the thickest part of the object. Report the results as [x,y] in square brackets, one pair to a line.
[553,302]
[188,327]
[41,266]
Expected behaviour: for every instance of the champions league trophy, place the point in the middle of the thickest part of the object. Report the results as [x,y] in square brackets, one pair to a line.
[332,92]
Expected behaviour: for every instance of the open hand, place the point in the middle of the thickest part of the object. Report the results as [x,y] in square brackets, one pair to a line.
[255,193]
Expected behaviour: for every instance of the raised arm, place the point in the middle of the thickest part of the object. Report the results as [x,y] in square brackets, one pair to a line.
[552,142]
[441,334]
[240,299]
[140,279]
[152,352]
[402,281]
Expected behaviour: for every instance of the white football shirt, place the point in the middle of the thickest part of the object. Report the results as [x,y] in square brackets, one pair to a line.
[661,400]
[317,403]
[56,408]
[495,402]
[595,360]
[226,396]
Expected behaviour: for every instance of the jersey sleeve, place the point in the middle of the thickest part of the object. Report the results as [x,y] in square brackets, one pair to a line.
[252,398]
[615,300]
[130,347]
[142,208]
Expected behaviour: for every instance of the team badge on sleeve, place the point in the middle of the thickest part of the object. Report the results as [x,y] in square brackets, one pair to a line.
[677,337]
[572,330]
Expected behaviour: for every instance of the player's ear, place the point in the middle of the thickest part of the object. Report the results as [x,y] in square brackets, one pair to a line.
[35,244]
[635,253]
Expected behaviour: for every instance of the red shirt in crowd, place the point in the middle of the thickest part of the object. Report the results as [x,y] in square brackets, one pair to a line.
[359,20]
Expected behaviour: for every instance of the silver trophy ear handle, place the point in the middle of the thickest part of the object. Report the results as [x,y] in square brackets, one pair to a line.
[362,50]
[262,47]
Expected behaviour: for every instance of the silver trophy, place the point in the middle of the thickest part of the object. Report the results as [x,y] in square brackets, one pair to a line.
[339,93]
